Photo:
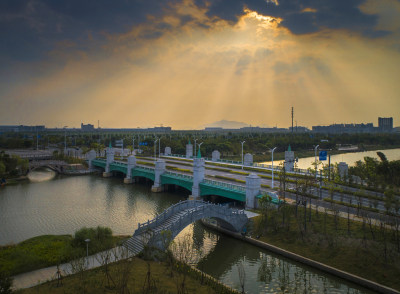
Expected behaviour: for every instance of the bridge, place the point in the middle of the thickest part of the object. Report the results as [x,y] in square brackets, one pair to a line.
[55,165]
[206,186]
[176,218]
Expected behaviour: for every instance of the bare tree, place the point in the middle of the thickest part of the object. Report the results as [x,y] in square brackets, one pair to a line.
[185,254]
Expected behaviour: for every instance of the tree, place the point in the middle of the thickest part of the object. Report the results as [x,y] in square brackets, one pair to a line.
[389,200]
[5,283]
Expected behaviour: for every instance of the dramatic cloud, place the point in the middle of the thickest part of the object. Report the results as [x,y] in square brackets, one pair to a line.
[187,63]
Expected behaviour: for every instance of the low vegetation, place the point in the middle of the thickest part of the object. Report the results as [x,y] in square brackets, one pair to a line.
[48,250]
[368,248]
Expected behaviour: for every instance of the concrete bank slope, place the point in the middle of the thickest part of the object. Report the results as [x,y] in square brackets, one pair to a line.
[323,267]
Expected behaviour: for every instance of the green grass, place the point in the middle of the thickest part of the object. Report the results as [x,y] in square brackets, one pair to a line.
[44,251]
[161,279]
[360,251]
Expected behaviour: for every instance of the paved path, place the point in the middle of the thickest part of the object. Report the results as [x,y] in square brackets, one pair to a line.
[30,279]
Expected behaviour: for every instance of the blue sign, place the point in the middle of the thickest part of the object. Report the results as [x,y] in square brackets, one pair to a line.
[323,155]
[143,143]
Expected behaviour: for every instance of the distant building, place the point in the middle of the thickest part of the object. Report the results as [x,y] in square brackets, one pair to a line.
[212,129]
[22,128]
[345,128]
[385,124]
[160,129]
[87,128]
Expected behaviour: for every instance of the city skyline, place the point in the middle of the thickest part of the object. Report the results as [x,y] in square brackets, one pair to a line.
[187,63]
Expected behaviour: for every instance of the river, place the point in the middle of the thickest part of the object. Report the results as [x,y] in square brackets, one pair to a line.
[51,204]
[350,158]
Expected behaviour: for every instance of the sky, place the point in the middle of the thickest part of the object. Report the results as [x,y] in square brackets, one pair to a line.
[188,63]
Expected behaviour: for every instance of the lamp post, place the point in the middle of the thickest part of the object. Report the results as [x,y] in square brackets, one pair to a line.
[133,144]
[315,158]
[242,152]
[199,148]
[159,148]
[155,149]
[65,139]
[272,152]
[195,140]
[87,251]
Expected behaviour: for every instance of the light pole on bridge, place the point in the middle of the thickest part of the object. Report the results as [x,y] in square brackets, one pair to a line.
[272,152]
[65,140]
[199,148]
[242,152]
[195,140]
[155,149]
[315,158]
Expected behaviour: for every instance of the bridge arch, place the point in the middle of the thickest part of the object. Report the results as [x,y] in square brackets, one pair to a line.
[181,182]
[53,168]
[179,216]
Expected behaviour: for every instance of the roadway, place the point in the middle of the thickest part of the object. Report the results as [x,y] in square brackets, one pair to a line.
[211,173]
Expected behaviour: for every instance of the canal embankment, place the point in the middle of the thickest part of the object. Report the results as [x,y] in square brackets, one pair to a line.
[304,260]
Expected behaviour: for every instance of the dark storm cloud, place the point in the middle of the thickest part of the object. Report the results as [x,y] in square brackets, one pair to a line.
[30,28]
[333,14]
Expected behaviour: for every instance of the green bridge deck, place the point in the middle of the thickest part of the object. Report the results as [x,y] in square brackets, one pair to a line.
[207,187]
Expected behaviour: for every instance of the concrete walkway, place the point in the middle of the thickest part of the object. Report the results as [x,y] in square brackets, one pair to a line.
[33,278]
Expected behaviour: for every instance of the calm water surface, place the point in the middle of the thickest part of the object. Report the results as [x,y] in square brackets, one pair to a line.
[51,204]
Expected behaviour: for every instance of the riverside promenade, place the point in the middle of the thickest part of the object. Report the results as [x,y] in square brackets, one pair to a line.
[40,276]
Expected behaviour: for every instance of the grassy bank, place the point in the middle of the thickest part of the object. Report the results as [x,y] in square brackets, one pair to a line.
[48,250]
[134,276]
[360,248]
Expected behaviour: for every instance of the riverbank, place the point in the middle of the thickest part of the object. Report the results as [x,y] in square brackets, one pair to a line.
[315,257]
[134,275]
[44,251]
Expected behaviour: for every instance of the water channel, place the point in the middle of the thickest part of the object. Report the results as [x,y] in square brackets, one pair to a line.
[51,204]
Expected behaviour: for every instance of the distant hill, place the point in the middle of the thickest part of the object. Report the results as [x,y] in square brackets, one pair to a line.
[226,124]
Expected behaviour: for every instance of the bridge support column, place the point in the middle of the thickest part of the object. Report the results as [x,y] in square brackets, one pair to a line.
[110,158]
[131,165]
[198,177]
[91,156]
[253,188]
[158,171]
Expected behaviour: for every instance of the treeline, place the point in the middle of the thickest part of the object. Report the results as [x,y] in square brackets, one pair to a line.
[228,143]
[378,174]
[11,166]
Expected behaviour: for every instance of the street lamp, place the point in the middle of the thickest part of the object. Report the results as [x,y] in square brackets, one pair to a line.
[133,144]
[87,251]
[155,149]
[315,157]
[242,152]
[65,139]
[199,148]
[159,148]
[272,152]
[195,140]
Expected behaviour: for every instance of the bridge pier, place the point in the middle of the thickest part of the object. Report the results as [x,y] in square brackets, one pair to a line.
[131,165]
[158,171]
[253,188]
[110,159]
[198,177]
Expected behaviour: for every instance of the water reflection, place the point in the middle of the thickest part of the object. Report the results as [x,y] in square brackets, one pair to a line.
[65,204]
[41,175]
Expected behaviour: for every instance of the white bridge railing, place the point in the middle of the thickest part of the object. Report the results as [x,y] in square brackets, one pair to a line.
[191,206]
